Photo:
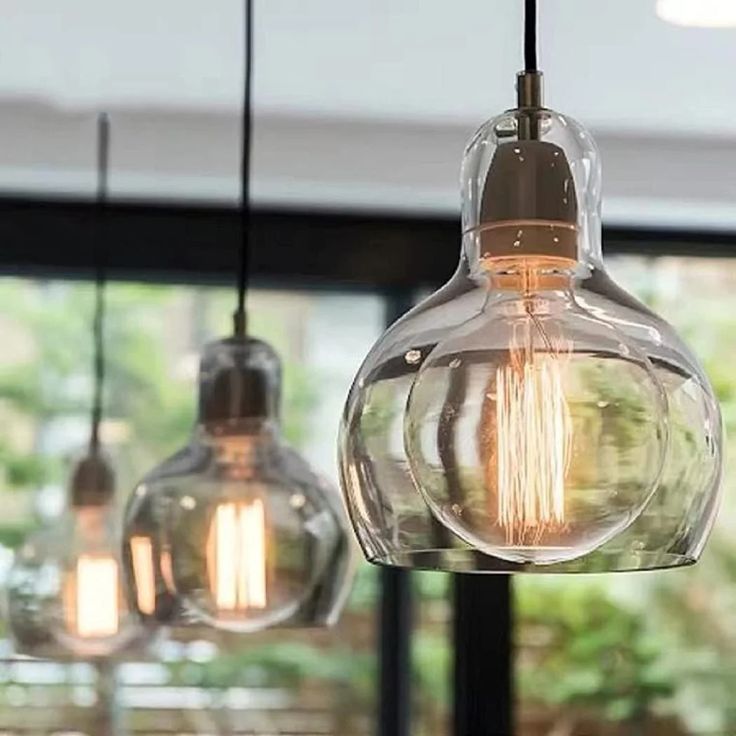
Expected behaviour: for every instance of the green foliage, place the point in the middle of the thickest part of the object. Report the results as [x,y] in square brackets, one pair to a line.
[365,589]
[584,650]
[13,536]
[431,667]
[289,664]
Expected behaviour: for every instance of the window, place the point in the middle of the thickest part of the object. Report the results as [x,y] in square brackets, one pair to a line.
[594,655]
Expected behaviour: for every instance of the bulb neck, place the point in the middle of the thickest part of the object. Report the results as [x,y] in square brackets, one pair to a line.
[239,454]
[529,275]
[252,431]
[93,522]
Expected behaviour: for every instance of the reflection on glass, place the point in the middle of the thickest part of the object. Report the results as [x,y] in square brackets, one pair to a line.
[143,570]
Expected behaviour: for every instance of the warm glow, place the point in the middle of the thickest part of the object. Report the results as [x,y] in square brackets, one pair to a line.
[236,556]
[92,604]
[141,550]
[167,570]
[702,13]
[534,435]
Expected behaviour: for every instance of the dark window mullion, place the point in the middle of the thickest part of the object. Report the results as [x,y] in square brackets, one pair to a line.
[483,648]
[395,611]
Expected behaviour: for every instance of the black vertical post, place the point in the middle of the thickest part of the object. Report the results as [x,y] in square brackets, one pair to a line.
[396,628]
[483,681]
[395,614]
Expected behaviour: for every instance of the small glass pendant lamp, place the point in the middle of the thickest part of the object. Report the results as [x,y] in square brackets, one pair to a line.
[66,594]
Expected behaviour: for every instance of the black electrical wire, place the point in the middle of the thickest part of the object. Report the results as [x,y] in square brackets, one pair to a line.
[239,317]
[530,36]
[98,322]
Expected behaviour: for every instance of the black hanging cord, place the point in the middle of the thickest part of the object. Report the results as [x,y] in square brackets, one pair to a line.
[239,317]
[98,323]
[530,36]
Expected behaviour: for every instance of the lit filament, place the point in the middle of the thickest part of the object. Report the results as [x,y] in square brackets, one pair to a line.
[236,556]
[92,605]
[534,436]
[141,550]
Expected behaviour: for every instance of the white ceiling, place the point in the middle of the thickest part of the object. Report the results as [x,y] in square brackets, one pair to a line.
[360,104]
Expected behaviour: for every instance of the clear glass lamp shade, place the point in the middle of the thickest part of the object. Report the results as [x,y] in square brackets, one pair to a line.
[30,595]
[531,416]
[65,592]
[236,531]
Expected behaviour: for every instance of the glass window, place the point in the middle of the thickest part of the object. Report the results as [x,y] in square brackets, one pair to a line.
[431,666]
[646,653]
[296,682]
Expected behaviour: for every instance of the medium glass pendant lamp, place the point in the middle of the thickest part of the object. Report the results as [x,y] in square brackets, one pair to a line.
[236,531]
[531,416]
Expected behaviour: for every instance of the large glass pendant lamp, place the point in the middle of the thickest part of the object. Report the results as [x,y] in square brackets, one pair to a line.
[531,415]
[236,531]
[66,596]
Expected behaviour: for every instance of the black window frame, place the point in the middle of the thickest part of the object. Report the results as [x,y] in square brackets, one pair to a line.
[391,255]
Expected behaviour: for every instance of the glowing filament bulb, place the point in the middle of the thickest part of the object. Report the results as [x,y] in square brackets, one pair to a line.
[236,556]
[92,605]
[534,436]
[141,549]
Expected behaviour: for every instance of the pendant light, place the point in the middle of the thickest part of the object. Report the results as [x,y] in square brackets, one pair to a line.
[66,594]
[531,415]
[236,531]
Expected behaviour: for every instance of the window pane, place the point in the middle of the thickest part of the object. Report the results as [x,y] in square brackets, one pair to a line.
[301,682]
[645,653]
[431,654]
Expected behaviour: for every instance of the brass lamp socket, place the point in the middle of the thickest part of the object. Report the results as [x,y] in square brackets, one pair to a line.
[529,205]
[93,482]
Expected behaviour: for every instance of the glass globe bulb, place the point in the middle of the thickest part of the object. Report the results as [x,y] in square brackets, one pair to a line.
[66,594]
[594,387]
[535,431]
[236,531]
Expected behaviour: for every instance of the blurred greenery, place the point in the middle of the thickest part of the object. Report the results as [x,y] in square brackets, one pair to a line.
[583,651]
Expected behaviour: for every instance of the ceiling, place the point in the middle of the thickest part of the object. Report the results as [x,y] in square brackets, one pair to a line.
[360,105]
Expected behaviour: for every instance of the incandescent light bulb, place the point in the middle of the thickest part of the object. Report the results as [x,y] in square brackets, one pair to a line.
[535,431]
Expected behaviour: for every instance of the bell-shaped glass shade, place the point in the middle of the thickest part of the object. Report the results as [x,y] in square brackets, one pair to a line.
[236,531]
[531,416]
[65,593]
